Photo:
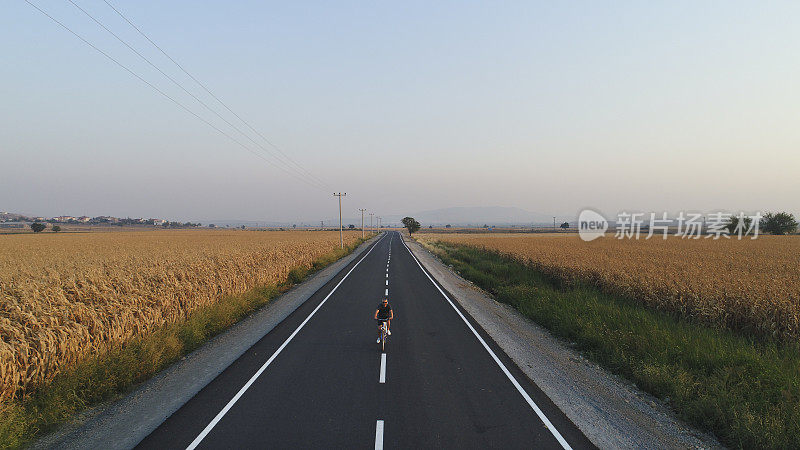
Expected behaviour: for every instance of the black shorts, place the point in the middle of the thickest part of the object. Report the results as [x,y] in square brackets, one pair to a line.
[383,319]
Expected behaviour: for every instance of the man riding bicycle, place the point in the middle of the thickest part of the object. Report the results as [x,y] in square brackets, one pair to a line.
[384,313]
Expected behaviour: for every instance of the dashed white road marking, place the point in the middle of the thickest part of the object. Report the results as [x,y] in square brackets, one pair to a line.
[387,281]
[383,368]
[379,435]
[252,379]
[503,367]
[387,291]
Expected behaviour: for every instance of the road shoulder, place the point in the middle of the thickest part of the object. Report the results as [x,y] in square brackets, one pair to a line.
[123,423]
[611,412]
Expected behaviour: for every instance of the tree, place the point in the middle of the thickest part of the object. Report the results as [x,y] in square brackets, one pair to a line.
[351,227]
[565,225]
[778,223]
[56,228]
[38,227]
[411,224]
[447,226]
[733,223]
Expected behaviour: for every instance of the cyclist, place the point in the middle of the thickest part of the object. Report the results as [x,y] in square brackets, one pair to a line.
[384,312]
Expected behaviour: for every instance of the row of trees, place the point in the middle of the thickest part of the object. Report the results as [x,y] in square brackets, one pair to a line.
[38,227]
[773,223]
[180,225]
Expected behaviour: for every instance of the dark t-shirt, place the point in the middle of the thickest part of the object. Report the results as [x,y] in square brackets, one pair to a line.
[384,312]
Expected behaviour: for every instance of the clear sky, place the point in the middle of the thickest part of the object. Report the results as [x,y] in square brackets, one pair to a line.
[406,106]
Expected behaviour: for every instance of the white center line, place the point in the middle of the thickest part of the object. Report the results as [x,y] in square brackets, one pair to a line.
[387,281]
[387,291]
[383,368]
[379,435]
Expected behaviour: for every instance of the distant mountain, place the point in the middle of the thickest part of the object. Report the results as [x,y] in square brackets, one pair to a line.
[456,216]
[477,216]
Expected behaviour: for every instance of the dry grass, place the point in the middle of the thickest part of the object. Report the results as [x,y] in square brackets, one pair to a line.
[751,285]
[63,296]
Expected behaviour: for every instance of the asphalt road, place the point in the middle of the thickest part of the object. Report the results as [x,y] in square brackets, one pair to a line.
[319,379]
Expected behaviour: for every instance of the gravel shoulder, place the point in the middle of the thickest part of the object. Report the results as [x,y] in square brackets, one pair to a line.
[610,411]
[123,423]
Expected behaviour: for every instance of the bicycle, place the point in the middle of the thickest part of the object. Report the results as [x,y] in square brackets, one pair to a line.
[384,335]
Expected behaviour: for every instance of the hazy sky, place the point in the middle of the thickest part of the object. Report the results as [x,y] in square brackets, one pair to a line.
[406,106]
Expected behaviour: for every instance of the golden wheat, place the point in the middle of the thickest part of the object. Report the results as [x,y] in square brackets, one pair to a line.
[748,284]
[63,296]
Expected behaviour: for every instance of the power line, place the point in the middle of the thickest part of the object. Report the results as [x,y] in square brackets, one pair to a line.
[288,167]
[287,157]
[165,95]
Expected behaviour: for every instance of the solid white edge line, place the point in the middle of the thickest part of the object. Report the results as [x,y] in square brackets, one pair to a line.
[379,435]
[383,368]
[252,379]
[503,367]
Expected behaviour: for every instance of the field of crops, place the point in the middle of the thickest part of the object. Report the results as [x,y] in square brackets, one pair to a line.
[63,296]
[749,285]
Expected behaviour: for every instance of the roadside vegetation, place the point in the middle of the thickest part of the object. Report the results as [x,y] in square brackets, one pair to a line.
[744,387]
[115,366]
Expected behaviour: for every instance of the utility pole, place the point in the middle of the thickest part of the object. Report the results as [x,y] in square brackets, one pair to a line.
[362,222]
[322,225]
[370,222]
[341,239]
[379,223]
[554,222]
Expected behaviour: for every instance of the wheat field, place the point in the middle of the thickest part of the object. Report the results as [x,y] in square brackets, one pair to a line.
[751,285]
[63,296]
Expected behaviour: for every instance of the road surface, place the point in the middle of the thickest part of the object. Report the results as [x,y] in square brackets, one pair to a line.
[319,379]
